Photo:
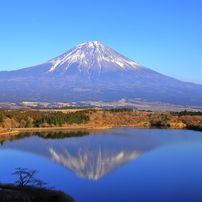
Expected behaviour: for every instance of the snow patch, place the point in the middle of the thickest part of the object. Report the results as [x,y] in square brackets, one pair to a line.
[88,54]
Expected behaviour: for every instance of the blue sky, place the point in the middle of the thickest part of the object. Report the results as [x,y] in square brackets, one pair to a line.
[163,35]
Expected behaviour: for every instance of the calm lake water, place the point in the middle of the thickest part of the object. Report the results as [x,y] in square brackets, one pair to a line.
[120,164]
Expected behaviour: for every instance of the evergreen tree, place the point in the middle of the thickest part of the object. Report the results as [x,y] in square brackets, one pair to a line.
[2,117]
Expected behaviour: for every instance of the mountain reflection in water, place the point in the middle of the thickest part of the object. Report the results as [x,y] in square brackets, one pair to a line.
[89,154]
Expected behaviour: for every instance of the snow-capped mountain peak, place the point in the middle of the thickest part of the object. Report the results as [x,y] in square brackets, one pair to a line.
[94,72]
[92,57]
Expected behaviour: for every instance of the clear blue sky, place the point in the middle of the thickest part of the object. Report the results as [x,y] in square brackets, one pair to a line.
[163,35]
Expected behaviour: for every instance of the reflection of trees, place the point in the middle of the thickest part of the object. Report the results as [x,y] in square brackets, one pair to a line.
[11,138]
[62,135]
[44,135]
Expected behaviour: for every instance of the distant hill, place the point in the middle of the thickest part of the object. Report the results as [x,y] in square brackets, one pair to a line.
[92,71]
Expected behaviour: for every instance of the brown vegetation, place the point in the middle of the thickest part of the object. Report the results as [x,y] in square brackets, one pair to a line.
[96,119]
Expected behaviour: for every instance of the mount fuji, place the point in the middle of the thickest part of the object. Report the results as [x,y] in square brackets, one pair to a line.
[92,71]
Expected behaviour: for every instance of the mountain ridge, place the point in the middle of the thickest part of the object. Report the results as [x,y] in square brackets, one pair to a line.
[106,73]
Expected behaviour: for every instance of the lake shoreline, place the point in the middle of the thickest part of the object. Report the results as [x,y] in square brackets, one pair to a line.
[48,128]
[98,119]
[15,131]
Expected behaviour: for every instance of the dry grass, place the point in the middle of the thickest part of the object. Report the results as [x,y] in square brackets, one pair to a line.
[59,110]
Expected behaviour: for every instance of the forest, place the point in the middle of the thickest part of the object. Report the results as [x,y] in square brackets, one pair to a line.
[30,119]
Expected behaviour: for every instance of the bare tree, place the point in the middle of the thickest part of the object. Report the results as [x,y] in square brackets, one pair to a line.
[30,189]
[27,177]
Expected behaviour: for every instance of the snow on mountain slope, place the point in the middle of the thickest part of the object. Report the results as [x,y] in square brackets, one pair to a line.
[100,73]
[90,61]
[93,56]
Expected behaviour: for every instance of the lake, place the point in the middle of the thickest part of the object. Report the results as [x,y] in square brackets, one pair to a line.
[119,164]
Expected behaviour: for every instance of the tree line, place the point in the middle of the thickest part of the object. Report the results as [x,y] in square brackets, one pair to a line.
[38,119]
[185,113]
[101,117]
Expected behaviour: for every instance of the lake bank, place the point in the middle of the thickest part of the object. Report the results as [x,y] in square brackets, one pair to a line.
[13,132]
[99,119]
[48,128]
